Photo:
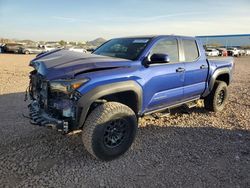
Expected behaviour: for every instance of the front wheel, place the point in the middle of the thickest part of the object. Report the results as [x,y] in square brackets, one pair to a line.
[216,100]
[109,130]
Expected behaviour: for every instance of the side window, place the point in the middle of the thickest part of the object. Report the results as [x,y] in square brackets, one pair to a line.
[190,50]
[167,46]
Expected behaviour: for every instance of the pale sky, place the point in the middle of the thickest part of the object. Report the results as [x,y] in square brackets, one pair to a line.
[85,20]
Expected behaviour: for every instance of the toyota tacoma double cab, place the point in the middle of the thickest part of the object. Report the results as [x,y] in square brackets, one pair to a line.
[104,93]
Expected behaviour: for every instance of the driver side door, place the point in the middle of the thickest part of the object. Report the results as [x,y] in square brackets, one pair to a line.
[164,82]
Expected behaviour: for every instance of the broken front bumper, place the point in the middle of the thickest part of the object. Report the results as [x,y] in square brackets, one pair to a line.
[41,118]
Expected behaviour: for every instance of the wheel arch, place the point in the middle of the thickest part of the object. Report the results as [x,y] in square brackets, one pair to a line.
[127,97]
[115,92]
[222,74]
[223,77]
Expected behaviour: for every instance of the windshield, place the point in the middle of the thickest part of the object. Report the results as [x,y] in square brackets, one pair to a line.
[126,48]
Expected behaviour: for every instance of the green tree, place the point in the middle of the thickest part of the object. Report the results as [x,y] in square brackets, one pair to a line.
[62,43]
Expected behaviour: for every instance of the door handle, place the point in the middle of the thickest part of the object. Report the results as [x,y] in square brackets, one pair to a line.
[203,67]
[180,69]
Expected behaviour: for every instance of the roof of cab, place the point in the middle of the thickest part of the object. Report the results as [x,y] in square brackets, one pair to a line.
[156,36]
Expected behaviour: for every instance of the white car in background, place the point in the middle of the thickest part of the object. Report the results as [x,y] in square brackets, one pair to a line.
[242,52]
[48,48]
[212,52]
[31,50]
[233,52]
[77,49]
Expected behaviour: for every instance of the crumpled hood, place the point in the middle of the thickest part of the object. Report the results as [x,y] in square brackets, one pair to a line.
[67,64]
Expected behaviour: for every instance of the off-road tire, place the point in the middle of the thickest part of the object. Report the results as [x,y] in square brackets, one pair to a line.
[211,101]
[99,121]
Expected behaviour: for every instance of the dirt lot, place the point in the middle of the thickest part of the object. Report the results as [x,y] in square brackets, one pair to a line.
[199,149]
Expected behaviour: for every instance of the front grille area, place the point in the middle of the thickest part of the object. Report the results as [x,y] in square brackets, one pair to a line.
[49,107]
[44,95]
[39,89]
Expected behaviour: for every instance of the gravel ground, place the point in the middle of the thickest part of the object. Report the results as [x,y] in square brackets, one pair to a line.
[195,149]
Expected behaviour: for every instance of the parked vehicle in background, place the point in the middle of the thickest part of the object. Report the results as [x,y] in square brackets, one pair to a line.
[233,52]
[48,48]
[247,51]
[12,48]
[212,52]
[104,93]
[78,49]
[32,50]
[1,47]
[242,52]
[222,51]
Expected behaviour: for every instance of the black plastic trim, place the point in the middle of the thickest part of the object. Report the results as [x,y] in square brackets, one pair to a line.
[213,78]
[87,99]
[171,106]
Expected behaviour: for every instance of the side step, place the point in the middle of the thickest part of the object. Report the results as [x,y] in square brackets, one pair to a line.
[165,113]
[196,103]
[185,109]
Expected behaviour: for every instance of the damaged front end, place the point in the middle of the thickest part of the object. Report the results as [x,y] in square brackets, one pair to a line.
[54,103]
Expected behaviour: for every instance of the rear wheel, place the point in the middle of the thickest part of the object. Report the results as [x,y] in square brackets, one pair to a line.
[216,100]
[109,130]
[27,52]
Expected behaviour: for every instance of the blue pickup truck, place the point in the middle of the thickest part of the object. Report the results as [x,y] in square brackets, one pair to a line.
[104,93]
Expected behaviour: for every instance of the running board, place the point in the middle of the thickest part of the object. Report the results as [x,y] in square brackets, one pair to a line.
[162,114]
[189,103]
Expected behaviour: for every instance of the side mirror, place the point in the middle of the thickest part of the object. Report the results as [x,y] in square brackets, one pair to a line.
[159,59]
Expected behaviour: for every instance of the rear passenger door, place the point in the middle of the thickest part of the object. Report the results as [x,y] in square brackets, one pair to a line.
[196,69]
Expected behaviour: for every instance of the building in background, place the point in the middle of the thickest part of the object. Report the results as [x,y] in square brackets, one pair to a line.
[241,40]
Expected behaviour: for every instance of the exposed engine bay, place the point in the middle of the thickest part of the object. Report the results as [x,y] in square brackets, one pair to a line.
[52,105]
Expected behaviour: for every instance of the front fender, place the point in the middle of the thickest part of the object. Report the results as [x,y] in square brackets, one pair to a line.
[88,98]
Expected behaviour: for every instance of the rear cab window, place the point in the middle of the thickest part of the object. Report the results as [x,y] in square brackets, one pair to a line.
[190,49]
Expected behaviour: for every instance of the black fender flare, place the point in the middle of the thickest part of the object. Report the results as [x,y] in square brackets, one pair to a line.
[213,78]
[91,96]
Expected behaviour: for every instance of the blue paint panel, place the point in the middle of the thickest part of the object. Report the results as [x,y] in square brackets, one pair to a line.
[159,81]
[166,98]
[195,76]
[194,89]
